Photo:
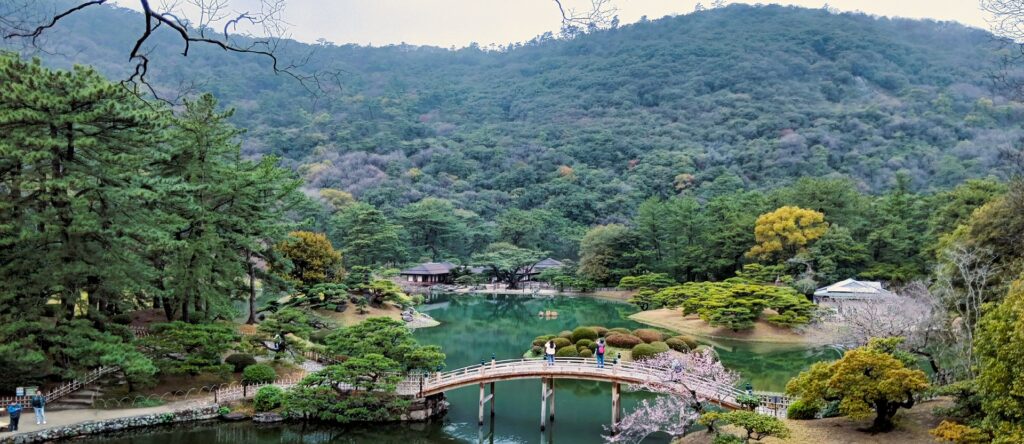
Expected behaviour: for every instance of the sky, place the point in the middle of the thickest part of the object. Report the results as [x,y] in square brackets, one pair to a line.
[448,23]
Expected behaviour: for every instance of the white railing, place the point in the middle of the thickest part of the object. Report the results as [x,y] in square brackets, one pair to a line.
[65,388]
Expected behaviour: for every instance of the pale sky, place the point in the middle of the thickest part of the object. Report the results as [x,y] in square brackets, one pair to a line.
[456,23]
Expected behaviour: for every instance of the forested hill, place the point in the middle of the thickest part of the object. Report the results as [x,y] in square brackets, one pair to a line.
[740,96]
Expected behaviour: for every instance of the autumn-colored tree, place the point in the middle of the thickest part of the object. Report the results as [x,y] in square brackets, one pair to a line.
[865,380]
[336,199]
[313,259]
[783,233]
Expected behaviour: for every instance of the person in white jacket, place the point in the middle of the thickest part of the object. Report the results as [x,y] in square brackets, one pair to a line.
[549,352]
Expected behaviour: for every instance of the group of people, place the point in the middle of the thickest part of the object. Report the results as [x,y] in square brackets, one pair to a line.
[550,350]
[38,403]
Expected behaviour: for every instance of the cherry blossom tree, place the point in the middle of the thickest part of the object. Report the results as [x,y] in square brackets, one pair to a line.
[679,403]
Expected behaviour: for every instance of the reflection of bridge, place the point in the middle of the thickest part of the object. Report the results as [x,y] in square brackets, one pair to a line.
[632,373]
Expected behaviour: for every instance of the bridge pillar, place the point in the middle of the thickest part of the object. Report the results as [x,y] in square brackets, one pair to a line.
[480,417]
[492,400]
[615,408]
[552,391]
[543,402]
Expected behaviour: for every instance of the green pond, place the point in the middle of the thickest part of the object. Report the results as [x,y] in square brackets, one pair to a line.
[477,327]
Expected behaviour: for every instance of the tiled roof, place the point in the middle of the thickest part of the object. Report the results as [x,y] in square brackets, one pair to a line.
[430,268]
[851,288]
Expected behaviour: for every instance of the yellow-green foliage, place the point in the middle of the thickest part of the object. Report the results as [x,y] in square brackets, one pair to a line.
[866,381]
[785,232]
[737,305]
[954,433]
[1001,363]
[758,426]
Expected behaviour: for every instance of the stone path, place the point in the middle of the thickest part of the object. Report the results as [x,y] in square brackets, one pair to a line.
[62,418]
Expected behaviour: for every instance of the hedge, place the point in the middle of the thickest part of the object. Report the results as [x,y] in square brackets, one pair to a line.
[619,330]
[582,333]
[586,353]
[258,374]
[565,334]
[567,352]
[267,398]
[646,351]
[585,343]
[678,345]
[801,410]
[648,335]
[540,340]
[622,340]
[562,342]
[661,347]
[601,331]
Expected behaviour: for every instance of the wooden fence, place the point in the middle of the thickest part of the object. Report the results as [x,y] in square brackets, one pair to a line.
[65,388]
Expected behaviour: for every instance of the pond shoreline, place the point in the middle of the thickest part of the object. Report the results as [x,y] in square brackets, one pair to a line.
[673,320]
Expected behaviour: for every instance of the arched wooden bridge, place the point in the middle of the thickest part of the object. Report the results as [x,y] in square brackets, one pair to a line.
[630,373]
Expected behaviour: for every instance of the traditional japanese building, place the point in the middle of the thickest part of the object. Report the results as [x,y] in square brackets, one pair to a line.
[429,273]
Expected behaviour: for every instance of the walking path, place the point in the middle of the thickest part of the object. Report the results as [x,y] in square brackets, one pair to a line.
[63,418]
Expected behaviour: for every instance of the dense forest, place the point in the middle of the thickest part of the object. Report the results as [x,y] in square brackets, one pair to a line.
[701,121]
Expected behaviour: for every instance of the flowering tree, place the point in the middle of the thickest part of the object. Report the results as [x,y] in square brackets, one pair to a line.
[680,404]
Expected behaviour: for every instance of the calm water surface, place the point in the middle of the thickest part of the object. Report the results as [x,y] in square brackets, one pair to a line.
[475,327]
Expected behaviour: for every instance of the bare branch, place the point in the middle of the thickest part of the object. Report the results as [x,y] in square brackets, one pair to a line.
[601,14]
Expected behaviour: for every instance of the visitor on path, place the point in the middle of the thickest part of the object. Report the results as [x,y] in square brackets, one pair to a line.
[549,352]
[39,405]
[600,353]
[14,411]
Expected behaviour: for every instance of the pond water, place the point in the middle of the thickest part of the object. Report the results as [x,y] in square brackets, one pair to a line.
[476,327]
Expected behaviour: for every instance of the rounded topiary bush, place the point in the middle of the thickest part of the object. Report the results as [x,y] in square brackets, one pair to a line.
[565,334]
[801,410]
[258,374]
[677,345]
[567,352]
[267,398]
[601,331]
[540,340]
[690,341]
[239,361]
[537,350]
[622,340]
[648,335]
[586,353]
[661,347]
[583,333]
[584,343]
[562,343]
[619,330]
[645,351]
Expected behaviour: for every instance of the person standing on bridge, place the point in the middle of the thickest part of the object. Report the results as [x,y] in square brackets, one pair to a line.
[600,353]
[549,352]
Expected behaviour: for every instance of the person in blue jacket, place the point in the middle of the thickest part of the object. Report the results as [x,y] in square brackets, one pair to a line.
[14,411]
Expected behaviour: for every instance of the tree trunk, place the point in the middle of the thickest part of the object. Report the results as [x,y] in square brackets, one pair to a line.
[184,310]
[884,412]
[252,288]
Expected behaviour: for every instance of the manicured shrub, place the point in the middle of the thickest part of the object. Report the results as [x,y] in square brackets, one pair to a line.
[585,343]
[258,374]
[601,331]
[540,340]
[567,352]
[690,341]
[619,330]
[725,438]
[677,345]
[645,351]
[661,347]
[267,398]
[565,334]
[239,361]
[801,410]
[622,340]
[562,342]
[751,402]
[583,333]
[537,350]
[586,353]
[648,335]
